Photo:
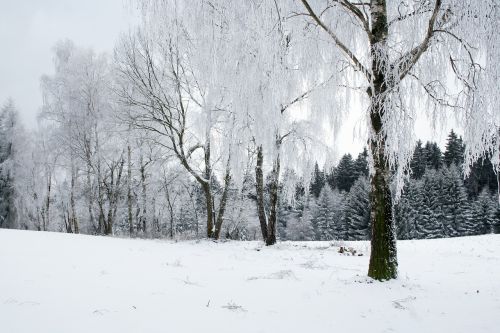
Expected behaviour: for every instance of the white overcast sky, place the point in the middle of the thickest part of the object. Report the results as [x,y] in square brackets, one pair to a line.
[29,29]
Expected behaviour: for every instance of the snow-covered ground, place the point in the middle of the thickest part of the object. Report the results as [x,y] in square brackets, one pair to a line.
[64,283]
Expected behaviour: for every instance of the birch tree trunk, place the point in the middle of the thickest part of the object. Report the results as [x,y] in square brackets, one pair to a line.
[383,258]
[143,219]
[223,203]
[129,191]
[259,188]
[74,219]
[274,195]
[268,225]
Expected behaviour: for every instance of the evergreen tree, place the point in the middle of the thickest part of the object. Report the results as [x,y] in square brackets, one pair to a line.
[330,177]
[482,176]
[357,211]
[407,211]
[337,210]
[345,174]
[454,153]
[299,226]
[496,221]
[317,181]
[323,220]
[361,164]
[418,162]
[433,156]
[430,220]
[483,213]
[457,220]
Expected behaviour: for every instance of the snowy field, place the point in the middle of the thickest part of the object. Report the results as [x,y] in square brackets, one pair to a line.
[52,282]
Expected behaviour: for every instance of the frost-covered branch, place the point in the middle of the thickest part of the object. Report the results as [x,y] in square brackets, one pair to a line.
[359,66]
[406,62]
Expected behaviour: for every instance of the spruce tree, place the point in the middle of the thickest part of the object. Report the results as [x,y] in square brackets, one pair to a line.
[430,214]
[418,161]
[325,215]
[357,210]
[317,181]
[482,176]
[483,213]
[454,153]
[361,164]
[453,199]
[299,226]
[433,156]
[345,173]
[407,211]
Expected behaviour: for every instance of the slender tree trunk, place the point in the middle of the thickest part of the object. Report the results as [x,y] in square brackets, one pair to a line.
[113,196]
[100,199]
[143,221]
[223,203]
[259,188]
[383,258]
[89,183]
[274,195]
[90,198]
[170,211]
[129,191]
[210,209]
[74,220]
[207,187]
[45,218]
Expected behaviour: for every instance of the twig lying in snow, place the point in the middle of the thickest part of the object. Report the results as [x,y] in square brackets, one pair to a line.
[234,307]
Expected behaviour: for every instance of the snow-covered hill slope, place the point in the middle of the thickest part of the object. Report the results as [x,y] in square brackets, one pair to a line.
[65,283]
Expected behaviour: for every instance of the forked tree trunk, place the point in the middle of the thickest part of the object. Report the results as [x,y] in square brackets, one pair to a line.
[223,203]
[383,258]
[267,225]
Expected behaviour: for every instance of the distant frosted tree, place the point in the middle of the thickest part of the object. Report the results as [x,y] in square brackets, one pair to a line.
[79,103]
[9,124]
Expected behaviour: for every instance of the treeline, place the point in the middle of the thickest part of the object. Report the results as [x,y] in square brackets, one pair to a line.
[135,195]
[437,201]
